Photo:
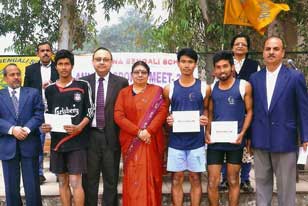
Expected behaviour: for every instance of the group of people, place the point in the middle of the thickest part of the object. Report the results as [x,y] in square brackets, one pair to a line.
[111,118]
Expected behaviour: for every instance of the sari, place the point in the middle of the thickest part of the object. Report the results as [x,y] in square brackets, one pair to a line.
[143,163]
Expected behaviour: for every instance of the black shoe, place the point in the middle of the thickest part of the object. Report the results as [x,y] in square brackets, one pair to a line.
[223,186]
[246,186]
[42,179]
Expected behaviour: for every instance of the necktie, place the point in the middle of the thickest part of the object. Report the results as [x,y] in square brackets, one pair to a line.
[100,105]
[15,102]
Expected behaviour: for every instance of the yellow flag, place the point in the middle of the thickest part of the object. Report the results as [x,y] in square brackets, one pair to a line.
[255,13]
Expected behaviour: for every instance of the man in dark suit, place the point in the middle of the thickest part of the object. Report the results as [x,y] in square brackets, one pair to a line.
[104,148]
[280,110]
[39,76]
[21,114]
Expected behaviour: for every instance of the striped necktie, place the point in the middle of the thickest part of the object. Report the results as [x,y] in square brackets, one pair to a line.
[100,105]
[15,101]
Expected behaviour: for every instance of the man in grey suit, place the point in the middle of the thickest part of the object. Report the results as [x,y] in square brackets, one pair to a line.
[104,148]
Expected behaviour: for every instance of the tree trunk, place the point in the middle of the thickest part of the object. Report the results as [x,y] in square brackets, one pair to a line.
[66,27]
[203,4]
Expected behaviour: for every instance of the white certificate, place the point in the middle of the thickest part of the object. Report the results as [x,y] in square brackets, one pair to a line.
[302,156]
[57,122]
[224,131]
[186,121]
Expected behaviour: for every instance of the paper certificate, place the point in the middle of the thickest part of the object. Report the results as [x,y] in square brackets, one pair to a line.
[302,156]
[186,121]
[224,131]
[57,122]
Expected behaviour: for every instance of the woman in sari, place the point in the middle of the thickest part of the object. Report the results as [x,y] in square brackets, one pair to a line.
[140,112]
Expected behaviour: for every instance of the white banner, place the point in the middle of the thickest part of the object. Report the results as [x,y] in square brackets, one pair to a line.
[163,66]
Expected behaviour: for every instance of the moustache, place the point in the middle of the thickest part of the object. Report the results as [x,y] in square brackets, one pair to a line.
[271,55]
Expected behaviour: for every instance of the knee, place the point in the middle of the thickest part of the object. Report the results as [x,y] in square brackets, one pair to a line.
[75,184]
[194,178]
[213,183]
[177,178]
[233,180]
[63,181]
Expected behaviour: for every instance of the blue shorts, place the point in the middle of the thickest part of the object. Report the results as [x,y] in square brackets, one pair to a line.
[191,160]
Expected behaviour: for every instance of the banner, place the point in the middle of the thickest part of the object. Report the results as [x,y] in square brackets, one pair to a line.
[163,66]
[255,13]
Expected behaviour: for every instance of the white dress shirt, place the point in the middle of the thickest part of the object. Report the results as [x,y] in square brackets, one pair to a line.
[271,78]
[105,84]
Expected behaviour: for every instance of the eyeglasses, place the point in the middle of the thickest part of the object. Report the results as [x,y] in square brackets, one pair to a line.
[99,59]
[140,72]
[240,44]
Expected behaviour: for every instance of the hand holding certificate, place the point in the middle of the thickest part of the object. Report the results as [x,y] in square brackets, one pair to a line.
[224,131]
[57,122]
[186,121]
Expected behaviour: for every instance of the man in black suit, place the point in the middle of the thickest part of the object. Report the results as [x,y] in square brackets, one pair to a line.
[244,67]
[104,148]
[39,76]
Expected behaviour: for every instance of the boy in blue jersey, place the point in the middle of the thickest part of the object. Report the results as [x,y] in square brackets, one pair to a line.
[230,100]
[186,150]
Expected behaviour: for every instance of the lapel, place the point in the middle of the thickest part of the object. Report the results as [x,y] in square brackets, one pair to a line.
[262,88]
[92,83]
[22,99]
[7,100]
[243,68]
[110,88]
[53,72]
[38,74]
[281,83]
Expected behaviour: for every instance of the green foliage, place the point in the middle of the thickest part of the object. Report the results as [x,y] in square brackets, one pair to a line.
[34,21]
[131,34]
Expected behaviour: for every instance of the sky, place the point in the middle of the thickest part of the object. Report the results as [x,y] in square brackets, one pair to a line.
[6,41]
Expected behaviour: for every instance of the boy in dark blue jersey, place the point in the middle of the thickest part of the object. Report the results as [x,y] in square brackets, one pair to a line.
[229,101]
[186,150]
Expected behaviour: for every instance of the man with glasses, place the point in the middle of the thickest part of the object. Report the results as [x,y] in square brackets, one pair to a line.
[104,148]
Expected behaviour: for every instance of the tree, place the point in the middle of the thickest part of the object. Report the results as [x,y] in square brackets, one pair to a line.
[131,34]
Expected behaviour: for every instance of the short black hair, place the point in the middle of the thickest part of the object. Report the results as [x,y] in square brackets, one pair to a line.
[187,52]
[102,48]
[4,72]
[142,63]
[43,43]
[62,54]
[223,55]
[241,36]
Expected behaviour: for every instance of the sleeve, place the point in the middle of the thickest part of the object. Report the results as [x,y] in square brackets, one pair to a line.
[38,112]
[302,105]
[120,117]
[26,79]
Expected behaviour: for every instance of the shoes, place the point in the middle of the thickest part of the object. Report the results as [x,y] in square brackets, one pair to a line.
[223,186]
[246,186]
[42,179]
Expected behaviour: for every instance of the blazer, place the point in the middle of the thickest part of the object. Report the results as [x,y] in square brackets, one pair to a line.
[276,129]
[249,67]
[31,105]
[33,76]
[115,84]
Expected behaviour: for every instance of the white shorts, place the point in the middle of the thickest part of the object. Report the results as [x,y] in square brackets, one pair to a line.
[191,160]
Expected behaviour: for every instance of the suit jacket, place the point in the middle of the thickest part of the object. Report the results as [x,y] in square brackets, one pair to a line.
[249,67]
[33,76]
[115,84]
[275,129]
[31,116]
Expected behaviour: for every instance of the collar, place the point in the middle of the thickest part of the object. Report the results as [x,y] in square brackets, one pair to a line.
[106,77]
[274,72]
[11,89]
[46,66]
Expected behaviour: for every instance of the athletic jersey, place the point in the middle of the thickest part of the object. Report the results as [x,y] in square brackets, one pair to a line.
[187,99]
[75,100]
[228,105]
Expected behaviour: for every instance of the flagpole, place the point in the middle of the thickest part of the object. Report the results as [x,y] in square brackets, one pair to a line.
[222,40]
